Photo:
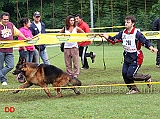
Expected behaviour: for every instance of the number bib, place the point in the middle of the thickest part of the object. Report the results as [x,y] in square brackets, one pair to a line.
[129,42]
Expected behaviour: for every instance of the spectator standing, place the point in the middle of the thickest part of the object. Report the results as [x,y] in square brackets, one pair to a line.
[156,27]
[83,46]
[71,52]
[7,31]
[38,27]
[25,51]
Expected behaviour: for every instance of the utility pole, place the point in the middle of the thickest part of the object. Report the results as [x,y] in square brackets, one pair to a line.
[91,12]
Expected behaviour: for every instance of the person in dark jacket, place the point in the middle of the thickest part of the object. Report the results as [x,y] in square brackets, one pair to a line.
[156,27]
[131,39]
[39,27]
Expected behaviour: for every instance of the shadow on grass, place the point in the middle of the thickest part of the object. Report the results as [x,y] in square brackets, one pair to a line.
[29,95]
[20,97]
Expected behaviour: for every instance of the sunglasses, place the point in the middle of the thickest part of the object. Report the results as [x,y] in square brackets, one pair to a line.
[37,16]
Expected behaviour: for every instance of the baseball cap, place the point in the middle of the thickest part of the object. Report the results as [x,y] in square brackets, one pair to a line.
[37,14]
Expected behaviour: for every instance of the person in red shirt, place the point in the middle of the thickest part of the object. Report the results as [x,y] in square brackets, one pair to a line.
[83,46]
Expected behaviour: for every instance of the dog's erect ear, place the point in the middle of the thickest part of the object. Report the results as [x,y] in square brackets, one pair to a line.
[24,59]
[24,66]
[20,59]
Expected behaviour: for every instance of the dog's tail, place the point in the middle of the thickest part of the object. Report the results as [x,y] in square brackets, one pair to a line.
[75,82]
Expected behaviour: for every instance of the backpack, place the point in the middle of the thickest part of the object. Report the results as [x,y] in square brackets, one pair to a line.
[62,44]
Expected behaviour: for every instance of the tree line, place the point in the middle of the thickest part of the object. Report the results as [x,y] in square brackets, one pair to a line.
[106,13]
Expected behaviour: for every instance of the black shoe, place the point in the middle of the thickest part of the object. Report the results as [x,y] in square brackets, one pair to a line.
[85,68]
[148,79]
[93,55]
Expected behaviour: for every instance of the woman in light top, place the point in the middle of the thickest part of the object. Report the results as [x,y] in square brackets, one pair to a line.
[71,52]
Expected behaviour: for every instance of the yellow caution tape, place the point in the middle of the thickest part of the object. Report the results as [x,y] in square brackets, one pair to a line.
[69,87]
[56,38]
[56,30]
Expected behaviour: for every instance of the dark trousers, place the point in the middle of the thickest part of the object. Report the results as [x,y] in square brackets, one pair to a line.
[26,54]
[158,53]
[128,71]
[84,55]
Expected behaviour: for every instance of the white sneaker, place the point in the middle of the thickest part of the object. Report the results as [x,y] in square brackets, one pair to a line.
[132,92]
[85,68]
[4,83]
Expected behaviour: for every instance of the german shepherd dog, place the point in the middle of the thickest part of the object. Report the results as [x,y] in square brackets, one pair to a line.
[42,75]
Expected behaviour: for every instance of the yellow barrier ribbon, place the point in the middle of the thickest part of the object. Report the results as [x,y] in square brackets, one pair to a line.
[89,86]
[56,38]
[109,27]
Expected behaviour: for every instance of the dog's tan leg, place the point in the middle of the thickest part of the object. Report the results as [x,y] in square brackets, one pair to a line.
[59,94]
[25,85]
[47,92]
[43,85]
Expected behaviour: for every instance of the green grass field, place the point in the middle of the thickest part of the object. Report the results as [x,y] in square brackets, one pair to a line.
[106,102]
